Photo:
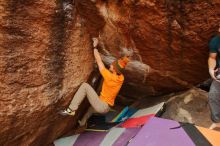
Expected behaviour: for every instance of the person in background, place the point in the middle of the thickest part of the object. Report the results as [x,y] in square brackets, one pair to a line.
[113,80]
[214,71]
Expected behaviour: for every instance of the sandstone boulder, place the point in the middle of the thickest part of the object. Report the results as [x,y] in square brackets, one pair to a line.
[46,53]
[168,38]
[190,106]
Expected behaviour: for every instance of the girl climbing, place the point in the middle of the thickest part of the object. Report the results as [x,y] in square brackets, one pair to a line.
[113,80]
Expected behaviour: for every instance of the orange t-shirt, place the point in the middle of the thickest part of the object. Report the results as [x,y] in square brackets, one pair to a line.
[111,85]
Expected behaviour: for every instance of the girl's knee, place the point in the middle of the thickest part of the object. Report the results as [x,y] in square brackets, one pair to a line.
[85,85]
[103,111]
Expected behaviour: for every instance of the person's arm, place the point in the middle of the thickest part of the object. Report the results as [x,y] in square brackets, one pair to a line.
[98,60]
[97,56]
[212,64]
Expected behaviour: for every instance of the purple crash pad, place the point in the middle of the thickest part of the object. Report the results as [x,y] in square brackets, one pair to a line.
[157,132]
[90,139]
[127,135]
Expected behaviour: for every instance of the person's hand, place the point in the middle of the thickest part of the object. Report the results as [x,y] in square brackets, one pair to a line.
[212,74]
[95,42]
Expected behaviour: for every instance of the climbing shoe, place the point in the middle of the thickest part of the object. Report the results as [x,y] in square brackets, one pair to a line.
[81,124]
[67,112]
[80,129]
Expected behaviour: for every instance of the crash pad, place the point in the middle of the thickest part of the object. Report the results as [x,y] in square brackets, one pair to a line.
[127,115]
[141,116]
[212,135]
[196,136]
[150,110]
[89,139]
[121,115]
[112,136]
[66,141]
[126,136]
[158,132]
[101,127]
[110,116]
[136,122]
[96,118]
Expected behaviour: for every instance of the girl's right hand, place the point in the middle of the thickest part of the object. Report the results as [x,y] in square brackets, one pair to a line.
[95,42]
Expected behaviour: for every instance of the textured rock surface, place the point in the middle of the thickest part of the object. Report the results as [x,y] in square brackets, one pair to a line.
[169,40]
[45,53]
[190,106]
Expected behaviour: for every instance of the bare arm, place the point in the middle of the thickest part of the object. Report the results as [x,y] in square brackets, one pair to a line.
[212,64]
[97,55]
[99,60]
